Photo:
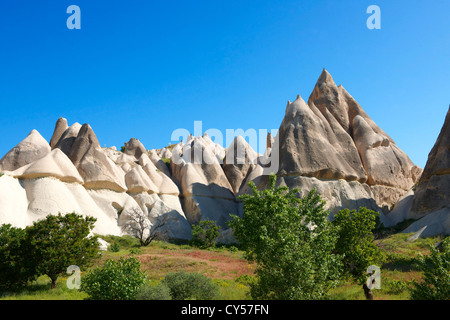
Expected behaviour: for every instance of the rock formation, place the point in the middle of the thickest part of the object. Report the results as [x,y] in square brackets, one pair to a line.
[328,143]
[32,148]
[430,201]
[205,189]
[332,145]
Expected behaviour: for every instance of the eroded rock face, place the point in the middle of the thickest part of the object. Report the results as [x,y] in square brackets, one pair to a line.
[205,189]
[60,127]
[240,160]
[32,148]
[430,203]
[332,138]
[433,189]
[97,170]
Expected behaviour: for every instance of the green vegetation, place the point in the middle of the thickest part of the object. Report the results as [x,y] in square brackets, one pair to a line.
[167,162]
[190,285]
[60,241]
[116,280]
[436,270]
[47,247]
[204,234]
[16,270]
[292,242]
[356,243]
[287,250]
[154,292]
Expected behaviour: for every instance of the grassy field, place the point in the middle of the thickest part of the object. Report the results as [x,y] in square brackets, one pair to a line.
[231,272]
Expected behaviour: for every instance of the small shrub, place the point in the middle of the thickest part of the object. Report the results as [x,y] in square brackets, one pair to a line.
[159,292]
[115,247]
[395,286]
[204,234]
[185,285]
[116,280]
[436,275]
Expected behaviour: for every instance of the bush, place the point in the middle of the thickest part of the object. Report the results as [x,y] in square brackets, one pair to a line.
[115,247]
[185,285]
[116,280]
[158,292]
[204,234]
[15,267]
[436,275]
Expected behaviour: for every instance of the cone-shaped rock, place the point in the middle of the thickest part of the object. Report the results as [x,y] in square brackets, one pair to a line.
[60,127]
[309,146]
[433,190]
[134,148]
[96,168]
[32,148]
[55,164]
[240,160]
[68,137]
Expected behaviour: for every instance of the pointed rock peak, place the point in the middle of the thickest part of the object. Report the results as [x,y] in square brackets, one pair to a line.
[299,98]
[86,133]
[60,127]
[134,148]
[325,77]
[295,106]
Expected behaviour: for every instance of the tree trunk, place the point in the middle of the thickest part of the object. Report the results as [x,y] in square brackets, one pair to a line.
[53,283]
[367,292]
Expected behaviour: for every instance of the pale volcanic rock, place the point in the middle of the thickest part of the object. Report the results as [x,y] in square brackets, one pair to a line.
[32,148]
[13,202]
[433,189]
[384,162]
[137,181]
[66,140]
[205,189]
[60,127]
[308,147]
[96,168]
[134,148]
[55,164]
[163,183]
[240,160]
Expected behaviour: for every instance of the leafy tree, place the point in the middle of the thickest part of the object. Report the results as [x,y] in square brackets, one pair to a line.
[190,285]
[356,242]
[205,233]
[15,267]
[291,240]
[116,280]
[60,241]
[436,275]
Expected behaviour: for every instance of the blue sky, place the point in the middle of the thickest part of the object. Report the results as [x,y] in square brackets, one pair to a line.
[145,68]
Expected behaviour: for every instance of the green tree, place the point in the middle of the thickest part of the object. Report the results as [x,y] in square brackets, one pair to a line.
[436,275]
[291,240]
[116,280]
[205,233]
[356,243]
[15,267]
[60,241]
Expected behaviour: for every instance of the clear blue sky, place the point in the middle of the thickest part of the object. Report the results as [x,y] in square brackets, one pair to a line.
[144,68]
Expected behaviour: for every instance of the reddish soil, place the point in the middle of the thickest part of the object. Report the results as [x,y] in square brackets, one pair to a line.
[212,264]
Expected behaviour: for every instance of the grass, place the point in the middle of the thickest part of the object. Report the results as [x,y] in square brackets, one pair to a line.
[232,273]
